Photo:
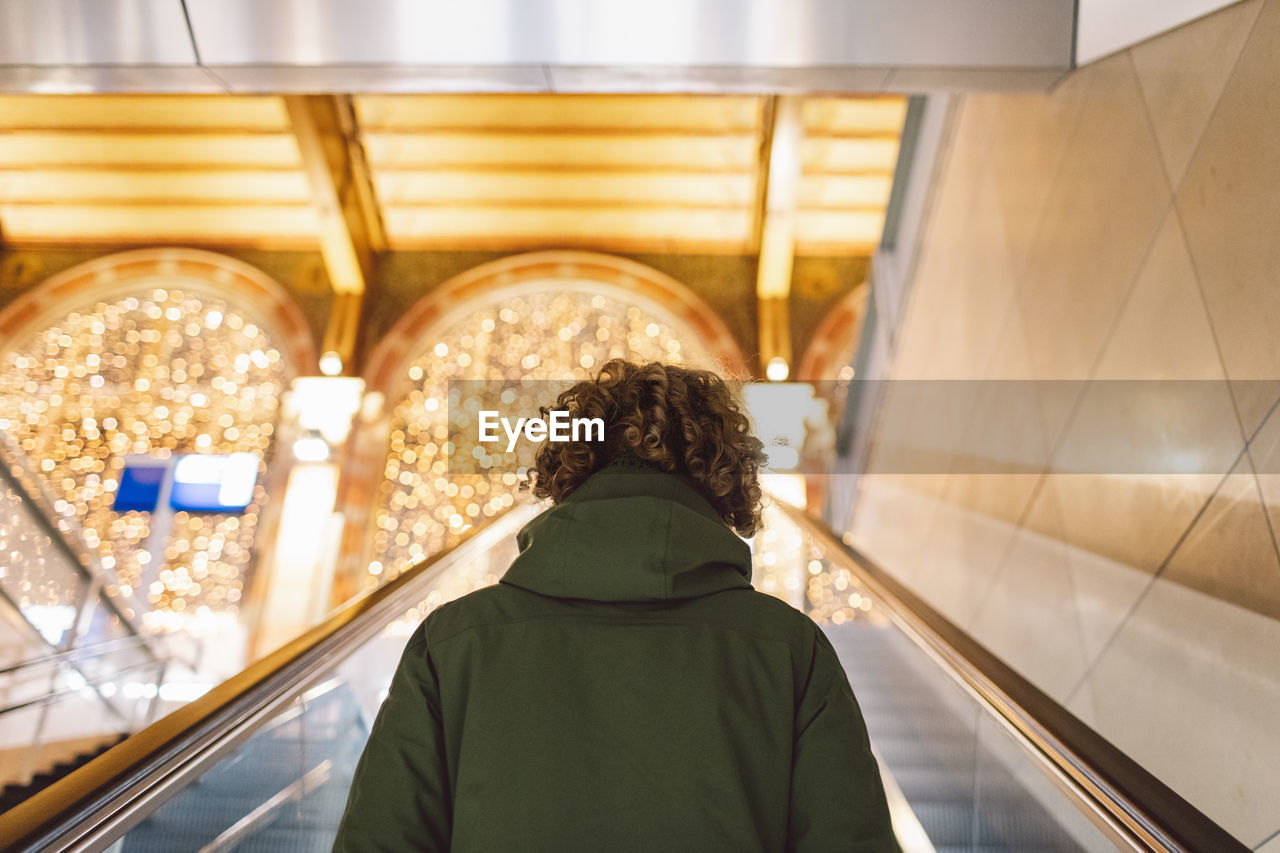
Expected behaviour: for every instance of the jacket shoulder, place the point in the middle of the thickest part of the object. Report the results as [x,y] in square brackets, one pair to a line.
[495,603]
[768,614]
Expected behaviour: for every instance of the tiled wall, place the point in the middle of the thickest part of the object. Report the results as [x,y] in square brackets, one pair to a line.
[1126,226]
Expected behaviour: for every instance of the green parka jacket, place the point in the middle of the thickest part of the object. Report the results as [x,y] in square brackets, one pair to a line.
[623,688]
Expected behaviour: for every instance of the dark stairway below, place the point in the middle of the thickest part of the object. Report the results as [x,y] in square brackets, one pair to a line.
[965,798]
[13,794]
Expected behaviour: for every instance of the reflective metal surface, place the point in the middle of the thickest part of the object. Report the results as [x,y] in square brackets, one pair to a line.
[94,32]
[719,79]
[85,79]
[319,79]
[532,45]
[753,33]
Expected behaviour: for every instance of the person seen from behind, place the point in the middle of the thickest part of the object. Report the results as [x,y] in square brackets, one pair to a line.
[623,687]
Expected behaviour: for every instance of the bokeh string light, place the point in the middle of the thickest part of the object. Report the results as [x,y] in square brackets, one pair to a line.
[790,564]
[424,507]
[161,372]
[33,572]
[167,372]
[546,335]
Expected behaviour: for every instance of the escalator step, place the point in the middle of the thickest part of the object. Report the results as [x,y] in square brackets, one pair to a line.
[965,799]
[936,783]
[946,823]
[1020,829]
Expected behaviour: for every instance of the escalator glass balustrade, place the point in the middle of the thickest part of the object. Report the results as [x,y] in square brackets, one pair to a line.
[974,758]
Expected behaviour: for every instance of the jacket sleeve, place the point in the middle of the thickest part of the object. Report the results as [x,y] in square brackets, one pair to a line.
[400,798]
[837,797]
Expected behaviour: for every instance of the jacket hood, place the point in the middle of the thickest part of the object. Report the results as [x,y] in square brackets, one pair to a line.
[630,532]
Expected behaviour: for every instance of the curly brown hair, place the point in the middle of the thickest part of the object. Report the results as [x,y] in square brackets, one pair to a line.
[677,419]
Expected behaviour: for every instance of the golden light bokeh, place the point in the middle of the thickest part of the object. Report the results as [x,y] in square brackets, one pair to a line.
[160,372]
[549,335]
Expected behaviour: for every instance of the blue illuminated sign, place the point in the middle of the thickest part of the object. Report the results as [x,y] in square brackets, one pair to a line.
[202,482]
[140,487]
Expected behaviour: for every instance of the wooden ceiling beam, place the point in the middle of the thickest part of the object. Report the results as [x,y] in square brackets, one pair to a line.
[776,215]
[341,190]
[351,232]
[560,112]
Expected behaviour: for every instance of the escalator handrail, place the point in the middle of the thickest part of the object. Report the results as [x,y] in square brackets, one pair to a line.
[1119,795]
[95,804]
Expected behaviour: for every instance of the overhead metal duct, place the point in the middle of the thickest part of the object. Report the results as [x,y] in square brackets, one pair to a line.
[532,45]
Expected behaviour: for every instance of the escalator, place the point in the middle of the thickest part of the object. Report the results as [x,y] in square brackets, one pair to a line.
[975,758]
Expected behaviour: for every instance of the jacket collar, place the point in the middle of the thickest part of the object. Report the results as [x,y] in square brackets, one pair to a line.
[630,532]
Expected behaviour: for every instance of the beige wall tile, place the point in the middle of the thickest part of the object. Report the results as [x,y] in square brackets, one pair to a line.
[1011,354]
[962,552]
[1028,616]
[1105,593]
[1026,416]
[964,277]
[918,427]
[1189,688]
[924,428]
[954,310]
[1134,521]
[1003,497]
[1151,428]
[966,160]
[1264,455]
[1230,214]
[1100,219]
[888,524]
[1009,431]
[1163,331]
[1103,590]
[1272,844]
[1029,134]
[1229,552]
[1182,74]
[926,485]
[1005,443]
[1081,704]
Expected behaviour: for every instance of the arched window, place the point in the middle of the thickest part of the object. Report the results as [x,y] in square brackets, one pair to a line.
[550,315]
[156,352]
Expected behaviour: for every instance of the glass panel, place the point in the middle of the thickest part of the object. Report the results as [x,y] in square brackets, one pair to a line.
[285,787]
[966,782]
[1012,785]
[40,578]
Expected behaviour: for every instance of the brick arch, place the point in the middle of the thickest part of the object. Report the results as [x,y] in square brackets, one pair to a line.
[834,338]
[663,296]
[125,273]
